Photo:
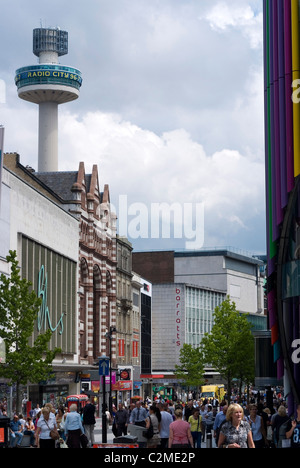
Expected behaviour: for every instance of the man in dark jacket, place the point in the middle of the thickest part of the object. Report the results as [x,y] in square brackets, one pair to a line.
[89,421]
[121,420]
[188,410]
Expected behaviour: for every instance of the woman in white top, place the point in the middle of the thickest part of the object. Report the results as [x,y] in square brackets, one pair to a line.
[45,424]
[257,427]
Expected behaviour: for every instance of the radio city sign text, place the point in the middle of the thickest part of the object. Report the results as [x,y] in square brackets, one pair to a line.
[48,74]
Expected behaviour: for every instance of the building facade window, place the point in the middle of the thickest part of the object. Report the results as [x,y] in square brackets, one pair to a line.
[200,306]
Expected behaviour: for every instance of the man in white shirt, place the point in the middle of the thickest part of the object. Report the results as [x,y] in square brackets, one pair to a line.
[139,415]
[35,412]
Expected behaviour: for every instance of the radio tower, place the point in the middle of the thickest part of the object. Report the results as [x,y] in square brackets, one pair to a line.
[48,84]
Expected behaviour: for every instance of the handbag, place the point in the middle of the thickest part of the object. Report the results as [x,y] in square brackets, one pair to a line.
[149,433]
[140,423]
[53,432]
[84,441]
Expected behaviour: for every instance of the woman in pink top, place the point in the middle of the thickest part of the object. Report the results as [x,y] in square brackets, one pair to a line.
[180,432]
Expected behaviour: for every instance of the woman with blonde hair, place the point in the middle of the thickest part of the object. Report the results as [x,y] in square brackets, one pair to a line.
[236,432]
[45,425]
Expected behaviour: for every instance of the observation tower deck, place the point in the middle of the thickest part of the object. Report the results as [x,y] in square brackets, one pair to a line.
[48,84]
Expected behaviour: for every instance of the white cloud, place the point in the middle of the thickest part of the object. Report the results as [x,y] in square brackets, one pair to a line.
[21,126]
[224,17]
[171,168]
[171,107]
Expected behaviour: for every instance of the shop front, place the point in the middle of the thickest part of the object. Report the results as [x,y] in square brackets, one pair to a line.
[54,391]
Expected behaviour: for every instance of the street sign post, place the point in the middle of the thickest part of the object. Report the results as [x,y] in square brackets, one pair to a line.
[103,366]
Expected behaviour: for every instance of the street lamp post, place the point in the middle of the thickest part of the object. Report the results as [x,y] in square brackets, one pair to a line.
[109,335]
[104,366]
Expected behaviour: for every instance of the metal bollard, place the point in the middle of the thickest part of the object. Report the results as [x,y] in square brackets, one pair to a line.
[209,440]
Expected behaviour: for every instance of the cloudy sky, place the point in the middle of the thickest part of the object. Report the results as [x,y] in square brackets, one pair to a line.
[171,111]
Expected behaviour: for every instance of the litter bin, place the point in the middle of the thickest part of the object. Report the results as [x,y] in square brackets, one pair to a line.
[138,431]
[125,440]
[4,425]
[209,440]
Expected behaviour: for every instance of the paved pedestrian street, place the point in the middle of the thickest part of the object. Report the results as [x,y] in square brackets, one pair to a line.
[111,437]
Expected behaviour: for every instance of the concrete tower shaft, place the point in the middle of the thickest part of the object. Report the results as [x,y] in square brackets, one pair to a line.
[48,84]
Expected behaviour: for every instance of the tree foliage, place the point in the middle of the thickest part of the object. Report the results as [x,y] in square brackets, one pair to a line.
[229,348]
[19,307]
[191,368]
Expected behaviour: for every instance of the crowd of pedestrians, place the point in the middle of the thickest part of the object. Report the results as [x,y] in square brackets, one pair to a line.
[233,424]
[48,427]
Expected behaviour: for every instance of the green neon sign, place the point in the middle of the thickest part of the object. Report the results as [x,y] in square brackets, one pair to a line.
[44,320]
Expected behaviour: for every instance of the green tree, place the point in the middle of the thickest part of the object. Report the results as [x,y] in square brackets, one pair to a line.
[191,368]
[245,364]
[19,307]
[229,348]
